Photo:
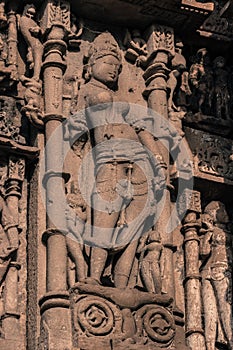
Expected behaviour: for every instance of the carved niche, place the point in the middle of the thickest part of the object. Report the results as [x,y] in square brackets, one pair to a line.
[108,307]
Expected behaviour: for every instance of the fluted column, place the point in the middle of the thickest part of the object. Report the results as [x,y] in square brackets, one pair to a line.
[192,283]
[55,304]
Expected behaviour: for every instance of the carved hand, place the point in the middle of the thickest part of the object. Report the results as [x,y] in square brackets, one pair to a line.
[35,31]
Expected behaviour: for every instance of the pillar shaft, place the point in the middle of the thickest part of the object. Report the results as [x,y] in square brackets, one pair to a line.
[160,51]
[192,284]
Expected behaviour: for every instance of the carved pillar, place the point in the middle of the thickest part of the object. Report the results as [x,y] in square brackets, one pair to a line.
[56,323]
[10,319]
[12,39]
[192,284]
[16,175]
[160,47]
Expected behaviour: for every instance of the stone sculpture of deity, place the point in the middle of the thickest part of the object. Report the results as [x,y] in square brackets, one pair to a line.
[123,196]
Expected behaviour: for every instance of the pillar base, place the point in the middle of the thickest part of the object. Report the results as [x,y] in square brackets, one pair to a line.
[117,319]
[56,329]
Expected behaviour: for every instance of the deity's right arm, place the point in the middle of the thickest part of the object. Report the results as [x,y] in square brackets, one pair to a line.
[77,123]
[205,244]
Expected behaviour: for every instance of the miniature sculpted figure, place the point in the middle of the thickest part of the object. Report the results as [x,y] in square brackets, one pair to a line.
[75,222]
[149,260]
[221,88]
[216,269]
[137,47]
[201,79]
[122,188]
[31,32]
[178,88]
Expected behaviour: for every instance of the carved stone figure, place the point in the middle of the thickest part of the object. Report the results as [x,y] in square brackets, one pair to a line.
[137,48]
[75,221]
[221,88]
[76,30]
[202,81]
[31,32]
[116,173]
[150,261]
[216,269]
[178,88]
[5,72]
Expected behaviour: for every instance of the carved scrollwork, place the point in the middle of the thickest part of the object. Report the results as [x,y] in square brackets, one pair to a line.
[56,13]
[94,315]
[10,119]
[162,38]
[158,324]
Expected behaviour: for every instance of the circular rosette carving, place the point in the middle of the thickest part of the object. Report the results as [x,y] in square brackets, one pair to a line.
[157,323]
[94,316]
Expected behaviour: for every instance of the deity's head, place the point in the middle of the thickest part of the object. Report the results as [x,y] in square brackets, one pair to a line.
[219,62]
[29,11]
[104,60]
[217,211]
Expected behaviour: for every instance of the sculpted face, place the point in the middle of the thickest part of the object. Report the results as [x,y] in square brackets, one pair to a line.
[221,215]
[30,11]
[106,69]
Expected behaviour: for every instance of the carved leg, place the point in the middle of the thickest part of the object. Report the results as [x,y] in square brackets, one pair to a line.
[156,277]
[146,275]
[222,290]
[210,312]
[76,254]
[124,265]
[98,261]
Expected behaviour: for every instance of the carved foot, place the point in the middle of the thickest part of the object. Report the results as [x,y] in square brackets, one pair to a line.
[92,281]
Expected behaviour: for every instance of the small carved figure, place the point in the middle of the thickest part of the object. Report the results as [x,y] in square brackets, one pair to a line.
[178,88]
[32,97]
[202,81]
[75,222]
[151,249]
[216,269]
[4,70]
[31,32]
[76,31]
[137,47]
[221,88]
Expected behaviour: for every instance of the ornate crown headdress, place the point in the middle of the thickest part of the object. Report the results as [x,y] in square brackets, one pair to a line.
[103,45]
